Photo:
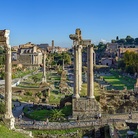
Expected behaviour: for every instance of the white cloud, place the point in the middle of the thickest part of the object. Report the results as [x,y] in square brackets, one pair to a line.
[104,41]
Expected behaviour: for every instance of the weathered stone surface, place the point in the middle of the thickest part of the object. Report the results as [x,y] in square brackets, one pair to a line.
[84,107]
[4,41]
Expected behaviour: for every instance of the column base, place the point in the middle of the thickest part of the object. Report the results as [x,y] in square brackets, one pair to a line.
[43,80]
[9,120]
[76,96]
[85,108]
[90,97]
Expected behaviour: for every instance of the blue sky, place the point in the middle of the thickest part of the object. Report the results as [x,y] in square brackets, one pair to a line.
[41,21]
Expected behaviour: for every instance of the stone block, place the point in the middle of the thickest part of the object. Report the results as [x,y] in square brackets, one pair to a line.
[84,107]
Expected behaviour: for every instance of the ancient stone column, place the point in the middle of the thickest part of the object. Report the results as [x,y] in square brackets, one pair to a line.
[4,41]
[80,66]
[90,76]
[63,65]
[76,72]
[44,70]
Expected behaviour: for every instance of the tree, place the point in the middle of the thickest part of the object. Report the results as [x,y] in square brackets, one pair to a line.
[117,38]
[113,41]
[129,40]
[136,41]
[101,46]
[121,41]
[129,62]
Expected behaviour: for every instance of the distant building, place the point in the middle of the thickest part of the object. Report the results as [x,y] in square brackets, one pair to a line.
[30,54]
[121,51]
[107,61]
[43,46]
[56,49]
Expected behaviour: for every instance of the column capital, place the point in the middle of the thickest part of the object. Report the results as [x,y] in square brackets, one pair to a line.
[4,37]
[90,46]
[80,46]
[76,47]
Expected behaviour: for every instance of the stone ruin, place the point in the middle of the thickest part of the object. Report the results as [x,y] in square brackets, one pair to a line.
[83,106]
[4,42]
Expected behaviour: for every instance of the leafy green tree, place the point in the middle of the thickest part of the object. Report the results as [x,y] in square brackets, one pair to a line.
[121,41]
[129,40]
[129,62]
[101,46]
[113,41]
[136,41]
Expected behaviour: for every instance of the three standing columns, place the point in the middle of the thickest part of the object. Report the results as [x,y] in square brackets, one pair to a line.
[78,71]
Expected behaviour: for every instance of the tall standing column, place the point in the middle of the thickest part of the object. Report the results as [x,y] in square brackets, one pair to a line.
[76,72]
[63,65]
[90,76]
[4,41]
[80,66]
[8,82]
[44,70]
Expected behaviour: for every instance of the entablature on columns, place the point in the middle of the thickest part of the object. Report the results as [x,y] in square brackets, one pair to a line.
[4,38]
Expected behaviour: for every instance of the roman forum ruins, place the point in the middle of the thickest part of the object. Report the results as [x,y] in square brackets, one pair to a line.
[4,42]
[83,106]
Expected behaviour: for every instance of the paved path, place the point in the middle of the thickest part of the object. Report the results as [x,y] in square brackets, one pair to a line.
[17,111]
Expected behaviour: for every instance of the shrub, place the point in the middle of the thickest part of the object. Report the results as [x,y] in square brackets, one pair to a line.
[29,93]
[2,108]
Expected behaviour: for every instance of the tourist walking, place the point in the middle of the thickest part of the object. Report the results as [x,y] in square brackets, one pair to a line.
[47,121]
[78,119]
[33,122]
[130,115]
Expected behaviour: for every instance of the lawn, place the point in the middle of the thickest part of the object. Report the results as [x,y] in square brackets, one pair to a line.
[83,91]
[6,133]
[43,114]
[119,82]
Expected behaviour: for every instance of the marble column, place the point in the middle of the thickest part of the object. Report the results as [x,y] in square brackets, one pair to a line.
[44,70]
[63,65]
[8,117]
[76,72]
[80,66]
[90,76]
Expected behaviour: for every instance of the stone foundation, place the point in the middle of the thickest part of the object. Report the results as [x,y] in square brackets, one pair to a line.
[84,108]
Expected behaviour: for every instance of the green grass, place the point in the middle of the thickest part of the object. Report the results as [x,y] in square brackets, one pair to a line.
[66,131]
[43,114]
[55,97]
[119,82]
[83,91]
[6,133]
